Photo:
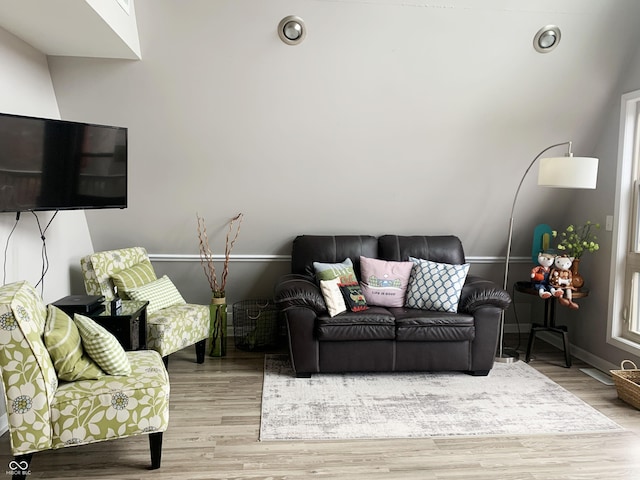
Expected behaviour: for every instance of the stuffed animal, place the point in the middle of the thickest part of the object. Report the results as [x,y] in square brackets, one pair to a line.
[560,280]
[540,275]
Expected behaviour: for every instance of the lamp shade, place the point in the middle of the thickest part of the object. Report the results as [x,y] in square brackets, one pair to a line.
[568,172]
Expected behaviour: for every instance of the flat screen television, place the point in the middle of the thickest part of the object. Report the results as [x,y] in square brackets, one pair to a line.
[48,164]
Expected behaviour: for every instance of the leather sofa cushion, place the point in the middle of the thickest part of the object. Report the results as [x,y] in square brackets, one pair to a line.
[436,248]
[307,249]
[420,325]
[375,323]
[294,291]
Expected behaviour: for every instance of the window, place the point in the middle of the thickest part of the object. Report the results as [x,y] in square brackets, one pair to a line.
[624,317]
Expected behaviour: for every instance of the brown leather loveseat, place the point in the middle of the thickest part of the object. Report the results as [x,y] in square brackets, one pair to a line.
[385,339]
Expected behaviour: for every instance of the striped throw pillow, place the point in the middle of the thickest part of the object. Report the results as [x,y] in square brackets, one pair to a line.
[102,347]
[161,294]
[129,278]
[62,339]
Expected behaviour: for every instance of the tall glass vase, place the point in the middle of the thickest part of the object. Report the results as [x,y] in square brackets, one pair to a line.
[218,327]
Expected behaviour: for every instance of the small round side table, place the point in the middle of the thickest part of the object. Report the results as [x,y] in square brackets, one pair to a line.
[549,324]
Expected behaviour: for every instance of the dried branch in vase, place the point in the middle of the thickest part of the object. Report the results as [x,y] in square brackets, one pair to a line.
[207,257]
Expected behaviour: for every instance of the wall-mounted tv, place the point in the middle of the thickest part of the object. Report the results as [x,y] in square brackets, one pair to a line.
[48,164]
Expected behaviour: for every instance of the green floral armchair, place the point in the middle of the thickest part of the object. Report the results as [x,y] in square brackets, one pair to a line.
[46,413]
[169,328]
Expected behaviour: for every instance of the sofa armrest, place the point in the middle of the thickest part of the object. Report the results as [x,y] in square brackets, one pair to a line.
[293,290]
[479,292]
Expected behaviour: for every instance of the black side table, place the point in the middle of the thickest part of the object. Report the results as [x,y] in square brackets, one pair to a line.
[549,324]
[129,326]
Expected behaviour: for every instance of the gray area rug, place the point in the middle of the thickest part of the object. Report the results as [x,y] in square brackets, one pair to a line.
[514,399]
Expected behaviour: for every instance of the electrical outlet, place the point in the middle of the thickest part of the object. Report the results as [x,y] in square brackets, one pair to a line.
[609,223]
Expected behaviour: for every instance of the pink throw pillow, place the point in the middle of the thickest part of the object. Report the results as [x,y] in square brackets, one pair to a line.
[384,283]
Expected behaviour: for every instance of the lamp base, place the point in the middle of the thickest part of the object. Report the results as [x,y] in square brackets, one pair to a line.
[508,355]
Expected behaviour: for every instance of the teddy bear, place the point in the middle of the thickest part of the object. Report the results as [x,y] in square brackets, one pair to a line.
[560,280]
[540,275]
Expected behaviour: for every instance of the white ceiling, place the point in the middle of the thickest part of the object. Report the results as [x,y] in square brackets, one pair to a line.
[76,28]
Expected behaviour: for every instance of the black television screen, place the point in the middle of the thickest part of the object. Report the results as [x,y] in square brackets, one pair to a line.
[48,164]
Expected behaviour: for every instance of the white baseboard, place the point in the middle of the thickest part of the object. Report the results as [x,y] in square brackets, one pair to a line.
[556,341]
[581,354]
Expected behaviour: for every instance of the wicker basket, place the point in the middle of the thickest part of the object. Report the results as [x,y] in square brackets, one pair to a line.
[628,383]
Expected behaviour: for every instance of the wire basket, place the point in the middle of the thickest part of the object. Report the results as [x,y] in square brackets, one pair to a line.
[628,383]
[257,325]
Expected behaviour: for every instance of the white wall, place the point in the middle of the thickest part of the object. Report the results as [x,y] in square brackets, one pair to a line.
[589,324]
[391,117]
[26,89]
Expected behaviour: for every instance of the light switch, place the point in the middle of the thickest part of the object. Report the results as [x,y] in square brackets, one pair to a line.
[609,223]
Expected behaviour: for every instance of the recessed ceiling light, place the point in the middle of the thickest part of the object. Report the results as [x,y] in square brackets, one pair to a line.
[546,39]
[292,30]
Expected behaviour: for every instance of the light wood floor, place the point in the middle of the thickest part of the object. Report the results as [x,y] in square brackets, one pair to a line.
[214,426]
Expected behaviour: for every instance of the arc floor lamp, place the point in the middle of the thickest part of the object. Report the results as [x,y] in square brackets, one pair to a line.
[559,172]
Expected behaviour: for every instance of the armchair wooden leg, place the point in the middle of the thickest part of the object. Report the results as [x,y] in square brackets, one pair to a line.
[200,350]
[155,445]
[20,466]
